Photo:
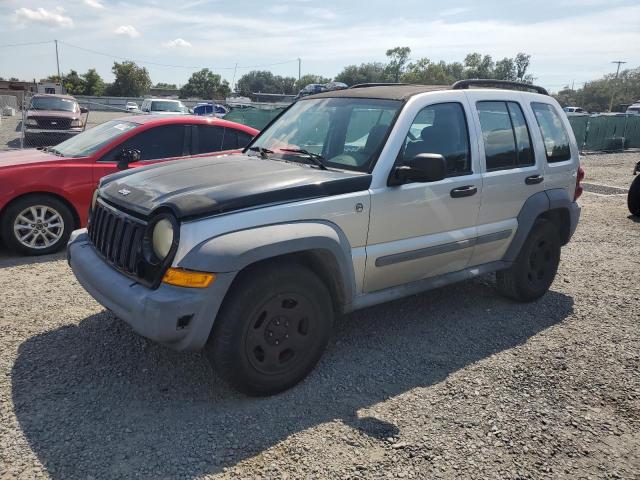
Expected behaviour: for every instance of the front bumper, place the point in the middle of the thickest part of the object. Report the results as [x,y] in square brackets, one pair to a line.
[49,131]
[180,318]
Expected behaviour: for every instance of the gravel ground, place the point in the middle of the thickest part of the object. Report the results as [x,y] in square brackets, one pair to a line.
[10,127]
[457,382]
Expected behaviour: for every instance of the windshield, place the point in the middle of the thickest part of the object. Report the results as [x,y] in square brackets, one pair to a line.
[347,132]
[90,141]
[53,103]
[167,106]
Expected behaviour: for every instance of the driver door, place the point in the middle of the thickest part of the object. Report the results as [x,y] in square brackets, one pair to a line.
[161,143]
[420,230]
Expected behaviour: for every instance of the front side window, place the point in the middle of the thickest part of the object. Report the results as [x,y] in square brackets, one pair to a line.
[441,129]
[347,132]
[165,141]
[505,134]
[556,139]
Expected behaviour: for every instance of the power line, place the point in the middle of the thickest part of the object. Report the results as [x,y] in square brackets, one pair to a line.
[7,45]
[187,67]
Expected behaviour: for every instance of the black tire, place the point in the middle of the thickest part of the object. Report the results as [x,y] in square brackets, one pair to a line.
[54,233]
[534,270]
[272,330]
[633,197]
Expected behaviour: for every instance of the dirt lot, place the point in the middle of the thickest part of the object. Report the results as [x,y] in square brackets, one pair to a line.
[11,127]
[457,382]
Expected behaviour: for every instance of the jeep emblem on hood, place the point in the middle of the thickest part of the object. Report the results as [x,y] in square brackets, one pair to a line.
[124,192]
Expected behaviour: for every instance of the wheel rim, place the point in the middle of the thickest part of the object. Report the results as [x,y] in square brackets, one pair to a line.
[541,262]
[281,333]
[38,226]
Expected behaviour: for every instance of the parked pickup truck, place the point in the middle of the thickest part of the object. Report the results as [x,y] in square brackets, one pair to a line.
[348,199]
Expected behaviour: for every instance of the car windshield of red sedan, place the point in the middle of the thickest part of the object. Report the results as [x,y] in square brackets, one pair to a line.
[53,103]
[92,140]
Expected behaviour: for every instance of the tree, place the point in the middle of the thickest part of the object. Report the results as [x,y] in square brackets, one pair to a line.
[309,78]
[505,69]
[398,58]
[364,73]
[521,62]
[478,66]
[73,83]
[425,72]
[165,85]
[93,83]
[131,80]
[262,81]
[205,84]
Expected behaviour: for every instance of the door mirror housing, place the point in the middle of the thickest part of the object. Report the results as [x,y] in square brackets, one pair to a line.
[126,157]
[84,110]
[425,167]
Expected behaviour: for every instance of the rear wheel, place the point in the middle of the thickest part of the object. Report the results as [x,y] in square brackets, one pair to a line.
[272,330]
[534,270]
[633,197]
[36,225]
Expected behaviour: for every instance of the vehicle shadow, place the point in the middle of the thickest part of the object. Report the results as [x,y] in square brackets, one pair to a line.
[10,259]
[95,400]
[634,218]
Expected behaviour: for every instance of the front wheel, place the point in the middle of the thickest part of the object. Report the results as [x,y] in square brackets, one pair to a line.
[534,270]
[36,225]
[633,197]
[272,330]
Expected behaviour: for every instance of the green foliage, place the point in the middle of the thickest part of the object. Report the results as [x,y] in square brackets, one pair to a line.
[265,82]
[93,83]
[131,80]
[90,83]
[309,78]
[205,84]
[595,96]
[165,85]
[364,73]
[398,58]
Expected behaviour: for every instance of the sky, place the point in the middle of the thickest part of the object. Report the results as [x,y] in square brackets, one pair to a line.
[570,41]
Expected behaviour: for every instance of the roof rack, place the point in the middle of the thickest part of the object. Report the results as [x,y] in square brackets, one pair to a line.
[478,82]
[366,85]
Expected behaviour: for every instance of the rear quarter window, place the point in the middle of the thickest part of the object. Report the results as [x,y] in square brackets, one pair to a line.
[554,135]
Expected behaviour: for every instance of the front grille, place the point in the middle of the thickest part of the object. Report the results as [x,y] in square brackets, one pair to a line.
[118,237]
[54,123]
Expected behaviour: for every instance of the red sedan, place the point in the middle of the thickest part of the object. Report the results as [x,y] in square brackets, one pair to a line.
[45,194]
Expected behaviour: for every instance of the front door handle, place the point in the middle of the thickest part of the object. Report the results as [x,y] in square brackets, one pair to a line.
[465,191]
[534,179]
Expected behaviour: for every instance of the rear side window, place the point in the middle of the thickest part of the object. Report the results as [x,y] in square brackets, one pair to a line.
[507,143]
[209,138]
[230,139]
[442,129]
[556,140]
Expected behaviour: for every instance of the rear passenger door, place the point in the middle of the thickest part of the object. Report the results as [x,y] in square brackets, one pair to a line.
[512,172]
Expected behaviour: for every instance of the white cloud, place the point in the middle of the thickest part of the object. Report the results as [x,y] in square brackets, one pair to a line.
[321,13]
[40,15]
[279,9]
[127,30]
[94,4]
[453,11]
[178,42]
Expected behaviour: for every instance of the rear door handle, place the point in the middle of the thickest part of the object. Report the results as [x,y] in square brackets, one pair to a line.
[465,191]
[533,179]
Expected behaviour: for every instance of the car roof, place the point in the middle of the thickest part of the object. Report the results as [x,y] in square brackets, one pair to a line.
[186,120]
[385,92]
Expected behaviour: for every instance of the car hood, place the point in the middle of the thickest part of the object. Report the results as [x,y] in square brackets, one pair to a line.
[13,158]
[215,185]
[52,113]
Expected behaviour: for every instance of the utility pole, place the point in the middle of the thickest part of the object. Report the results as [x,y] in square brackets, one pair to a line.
[615,82]
[299,68]
[58,63]
[233,82]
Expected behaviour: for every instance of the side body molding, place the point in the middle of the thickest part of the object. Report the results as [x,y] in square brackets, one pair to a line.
[234,251]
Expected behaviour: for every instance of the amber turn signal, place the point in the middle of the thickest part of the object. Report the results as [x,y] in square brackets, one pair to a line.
[188,278]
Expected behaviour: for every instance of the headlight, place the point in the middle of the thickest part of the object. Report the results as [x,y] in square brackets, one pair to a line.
[76,123]
[162,238]
[94,199]
[31,122]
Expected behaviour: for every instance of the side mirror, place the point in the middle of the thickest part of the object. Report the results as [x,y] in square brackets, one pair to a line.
[84,110]
[126,157]
[425,167]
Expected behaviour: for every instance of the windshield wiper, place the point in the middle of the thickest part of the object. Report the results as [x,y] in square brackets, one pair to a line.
[314,157]
[54,151]
[264,152]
